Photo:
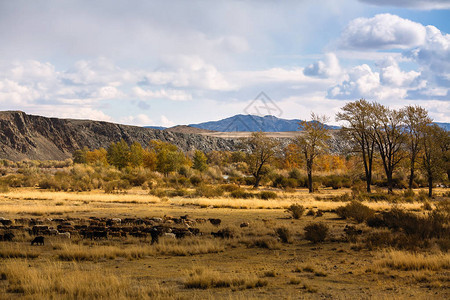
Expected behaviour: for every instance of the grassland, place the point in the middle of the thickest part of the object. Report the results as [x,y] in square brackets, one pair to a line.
[252,263]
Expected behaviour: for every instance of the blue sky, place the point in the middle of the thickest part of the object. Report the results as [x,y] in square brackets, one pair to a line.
[181,62]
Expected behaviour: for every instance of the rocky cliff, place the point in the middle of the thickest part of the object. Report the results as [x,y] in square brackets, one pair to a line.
[24,136]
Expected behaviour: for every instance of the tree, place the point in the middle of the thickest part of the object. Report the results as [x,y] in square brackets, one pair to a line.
[389,136]
[416,121]
[97,156]
[149,159]
[168,157]
[199,161]
[262,150]
[359,130]
[79,156]
[136,155]
[313,142]
[434,142]
[118,154]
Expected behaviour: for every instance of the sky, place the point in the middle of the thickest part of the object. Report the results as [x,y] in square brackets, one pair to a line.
[181,62]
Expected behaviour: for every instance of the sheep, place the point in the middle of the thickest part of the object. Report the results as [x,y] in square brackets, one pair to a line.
[215,222]
[39,240]
[65,235]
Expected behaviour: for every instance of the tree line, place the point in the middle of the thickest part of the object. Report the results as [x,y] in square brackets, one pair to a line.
[371,131]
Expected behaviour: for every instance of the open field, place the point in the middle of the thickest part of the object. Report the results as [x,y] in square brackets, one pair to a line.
[250,262]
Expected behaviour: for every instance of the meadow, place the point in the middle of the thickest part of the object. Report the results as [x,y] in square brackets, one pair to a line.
[262,251]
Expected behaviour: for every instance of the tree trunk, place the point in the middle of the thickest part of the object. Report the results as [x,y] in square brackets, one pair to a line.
[310,179]
[389,183]
[430,186]
[368,182]
[411,175]
[257,180]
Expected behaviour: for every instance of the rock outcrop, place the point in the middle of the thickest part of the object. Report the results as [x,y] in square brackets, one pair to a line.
[24,136]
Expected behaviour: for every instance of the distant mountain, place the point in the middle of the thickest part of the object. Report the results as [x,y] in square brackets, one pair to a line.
[445,126]
[156,127]
[252,123]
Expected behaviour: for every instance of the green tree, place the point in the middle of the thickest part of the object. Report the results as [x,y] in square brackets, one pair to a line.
[199,161]
[79,156]
[416,121]
[168,157]
[358,131]
[262,150]
[313,142]
[434,142]
[136,155]
[118,154]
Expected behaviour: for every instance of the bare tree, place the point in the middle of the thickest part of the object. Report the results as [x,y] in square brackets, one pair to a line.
[435,142]
[261,149]
[416,122]
[313,142]
[389,136]
[359,128]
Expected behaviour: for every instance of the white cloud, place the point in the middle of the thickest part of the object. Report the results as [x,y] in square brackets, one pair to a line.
[383,31]
[171,94]
[434,54]
[189,71]
[362,82]
[392,75]
[166,122]
[139,120]
[328,68]
[419,4]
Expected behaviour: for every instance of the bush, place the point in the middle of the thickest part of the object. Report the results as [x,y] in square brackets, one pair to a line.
[230,187]
[296,210]
[208,191]
[355,210]
[284,234]
[241,194]
[316,232]
[266,195]
[195,180]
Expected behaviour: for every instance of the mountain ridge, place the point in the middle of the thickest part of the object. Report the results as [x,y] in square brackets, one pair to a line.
[24,136]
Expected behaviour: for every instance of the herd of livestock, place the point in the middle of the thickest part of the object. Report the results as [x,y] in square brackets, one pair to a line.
[96,228]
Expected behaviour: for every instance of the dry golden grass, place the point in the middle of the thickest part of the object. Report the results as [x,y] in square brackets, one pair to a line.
[406,261]
[202,278]
[49,280]
[94,252]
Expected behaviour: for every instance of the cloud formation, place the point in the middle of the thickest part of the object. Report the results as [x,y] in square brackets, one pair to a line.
[383,31]
[328,68]
[418,4]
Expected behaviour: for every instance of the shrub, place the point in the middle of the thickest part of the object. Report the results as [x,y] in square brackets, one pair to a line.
[311,212]
[284,234]
[230,187]
[241,194]
[195,180]
[296,210]
[316,232]
[266,195]
[208,191]
[355,210]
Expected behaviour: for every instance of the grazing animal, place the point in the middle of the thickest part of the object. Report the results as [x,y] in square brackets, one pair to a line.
[7,237]
[244,224]
[5,222]
[96,235]
[170,235]
[155,233]
[223,233]
[65,235]
[215,222]
[39,240]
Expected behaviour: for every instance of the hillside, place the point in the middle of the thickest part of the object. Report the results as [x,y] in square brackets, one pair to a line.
[252,123]
[188,129]
[24,136]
